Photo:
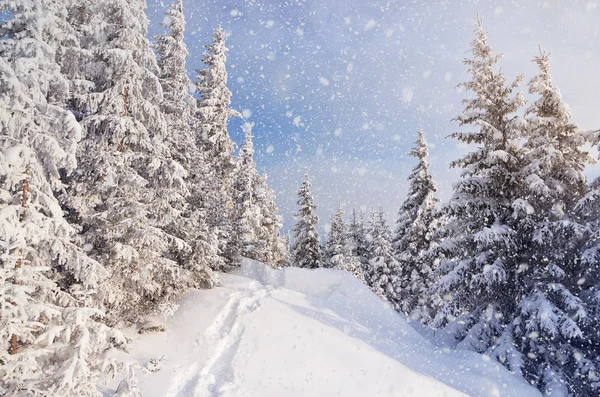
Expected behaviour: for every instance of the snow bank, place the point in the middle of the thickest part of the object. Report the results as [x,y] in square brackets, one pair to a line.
[297,332]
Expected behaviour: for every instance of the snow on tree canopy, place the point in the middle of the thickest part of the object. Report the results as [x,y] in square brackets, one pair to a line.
[213,113]
[128,188]
[305,246]
[415,227]
[503,276]
[338,253]
[53,343]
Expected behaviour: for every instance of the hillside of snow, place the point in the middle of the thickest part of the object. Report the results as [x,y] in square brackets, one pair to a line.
[299,332]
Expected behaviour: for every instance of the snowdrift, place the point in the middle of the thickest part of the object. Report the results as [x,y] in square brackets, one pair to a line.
[298,332]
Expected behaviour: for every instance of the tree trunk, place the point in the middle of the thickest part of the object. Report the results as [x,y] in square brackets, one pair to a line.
[19,264]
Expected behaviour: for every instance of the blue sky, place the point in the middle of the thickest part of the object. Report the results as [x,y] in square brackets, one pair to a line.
[339,88]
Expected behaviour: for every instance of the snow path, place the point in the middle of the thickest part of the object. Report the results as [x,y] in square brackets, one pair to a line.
[217,374]
[305,333]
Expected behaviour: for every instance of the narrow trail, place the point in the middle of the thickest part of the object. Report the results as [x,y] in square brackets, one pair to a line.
[299,333]
[219,344]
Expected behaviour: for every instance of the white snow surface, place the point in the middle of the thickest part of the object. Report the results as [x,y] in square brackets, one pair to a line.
[300,332]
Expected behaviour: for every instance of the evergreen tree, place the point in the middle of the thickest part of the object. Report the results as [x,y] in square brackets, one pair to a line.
[305,247]
[271,248]
[384,270]
[336,241]
[588,280]
[179,108]
[357,236]
[245,213]
[213,113]
[558,358]
[338,250]
[415,228]
[506,286]
[256,225]
[52,342]
[128,189]
[172,54]
[480,278]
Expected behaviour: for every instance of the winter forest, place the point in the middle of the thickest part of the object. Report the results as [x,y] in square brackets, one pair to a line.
[121,189]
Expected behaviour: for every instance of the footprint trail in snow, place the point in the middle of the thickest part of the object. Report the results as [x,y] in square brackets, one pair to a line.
[297,333]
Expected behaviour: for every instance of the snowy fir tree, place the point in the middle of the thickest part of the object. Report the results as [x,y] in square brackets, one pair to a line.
[245,214]
[336,241]
[558,358]
[186,148]
[415,228]
[383,272]
[555,158]
[477,279]
[357,238]
[127,189]
[271,247]
[305,249]
[337,253]
[52,341]
[172,55]
[255,223]
[503,295]
[213,113]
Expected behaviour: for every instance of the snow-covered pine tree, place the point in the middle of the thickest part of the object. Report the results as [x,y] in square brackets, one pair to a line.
[415,228]
[369,232]
[271,247]
[52,344]
[213,113]
[357,237]
[554,157]
[305,247]
[589,276]
[338,250]
[245,214]
[560,357]
[288,250]
[336,241]
[172,55]
[383,273]
[178,105]
[480,273]
[128,189]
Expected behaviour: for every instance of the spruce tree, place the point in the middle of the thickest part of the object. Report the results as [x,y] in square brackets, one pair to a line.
[271,247]
[507,287]
[255,223]
[213,113]
[383,274]
[52,341]
[128,189]
[336,240]
[480,272]
[338,249]
[305,247]
[560,358]
[415,228]
[245,213]
[179,106]
[172,55]
[357,236]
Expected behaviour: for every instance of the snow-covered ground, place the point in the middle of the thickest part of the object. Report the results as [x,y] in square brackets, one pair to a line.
[298,332]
